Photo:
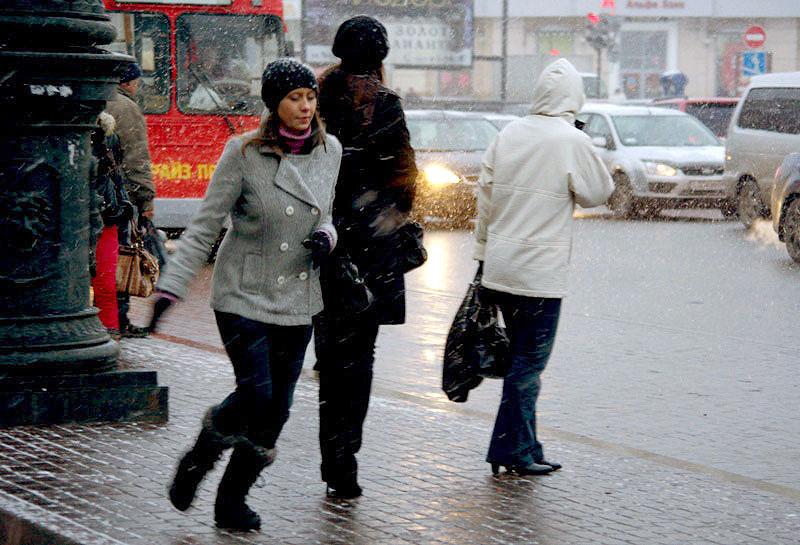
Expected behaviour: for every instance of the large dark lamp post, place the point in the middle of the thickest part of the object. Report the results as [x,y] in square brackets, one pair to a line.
[56,360]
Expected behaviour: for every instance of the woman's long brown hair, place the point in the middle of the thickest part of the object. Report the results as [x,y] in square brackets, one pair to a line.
[268,135]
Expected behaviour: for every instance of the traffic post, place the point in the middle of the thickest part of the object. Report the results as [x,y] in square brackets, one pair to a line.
[601,33]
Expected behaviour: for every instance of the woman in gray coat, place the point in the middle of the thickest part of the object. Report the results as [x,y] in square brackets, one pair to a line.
[277,184]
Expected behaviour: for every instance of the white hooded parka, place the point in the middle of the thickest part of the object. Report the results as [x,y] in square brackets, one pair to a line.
[534,172]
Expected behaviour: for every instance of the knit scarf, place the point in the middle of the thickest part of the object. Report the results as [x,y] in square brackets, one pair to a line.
[294,141]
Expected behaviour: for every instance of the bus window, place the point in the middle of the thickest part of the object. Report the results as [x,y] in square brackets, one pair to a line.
[146,37]
[220,61]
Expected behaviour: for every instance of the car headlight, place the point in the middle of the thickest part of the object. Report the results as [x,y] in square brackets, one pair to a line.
[440,175]
[660,169]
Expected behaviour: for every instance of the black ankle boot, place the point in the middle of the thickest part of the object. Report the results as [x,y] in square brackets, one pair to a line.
[344,491]
[196,463]
[236,516]
[230,509]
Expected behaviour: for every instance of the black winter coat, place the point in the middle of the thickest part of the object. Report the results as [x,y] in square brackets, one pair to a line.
[378,175]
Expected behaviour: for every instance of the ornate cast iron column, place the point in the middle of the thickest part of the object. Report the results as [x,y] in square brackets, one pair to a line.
[54,82]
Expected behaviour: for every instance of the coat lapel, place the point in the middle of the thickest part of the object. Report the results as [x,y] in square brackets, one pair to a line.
[288,179]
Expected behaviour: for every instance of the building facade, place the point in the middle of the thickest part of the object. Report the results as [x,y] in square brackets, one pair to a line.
[704,39]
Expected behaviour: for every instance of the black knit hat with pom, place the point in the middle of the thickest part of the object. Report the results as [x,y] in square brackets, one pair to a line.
[283,76]
[362,43]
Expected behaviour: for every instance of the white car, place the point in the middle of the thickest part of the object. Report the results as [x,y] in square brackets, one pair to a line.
[659,158]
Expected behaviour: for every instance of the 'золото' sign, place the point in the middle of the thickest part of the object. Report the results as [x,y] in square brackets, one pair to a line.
[422,33]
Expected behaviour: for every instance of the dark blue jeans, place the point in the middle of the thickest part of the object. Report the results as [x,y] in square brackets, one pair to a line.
[531,323]
[267,360]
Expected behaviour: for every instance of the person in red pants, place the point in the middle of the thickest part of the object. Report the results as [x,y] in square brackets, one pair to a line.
[104,282]
[114,208]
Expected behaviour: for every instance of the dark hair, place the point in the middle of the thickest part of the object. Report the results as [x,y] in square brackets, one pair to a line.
[268,135]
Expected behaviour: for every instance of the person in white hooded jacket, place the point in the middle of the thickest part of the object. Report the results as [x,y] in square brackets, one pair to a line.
[533,174]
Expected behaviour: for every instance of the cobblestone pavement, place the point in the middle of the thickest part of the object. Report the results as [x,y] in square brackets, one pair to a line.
[670,398]
[422,469]
[679,338]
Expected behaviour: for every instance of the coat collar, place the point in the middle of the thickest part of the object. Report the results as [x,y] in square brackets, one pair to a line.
[289,179]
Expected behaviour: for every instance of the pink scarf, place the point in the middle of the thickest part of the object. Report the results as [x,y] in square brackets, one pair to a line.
[294,141]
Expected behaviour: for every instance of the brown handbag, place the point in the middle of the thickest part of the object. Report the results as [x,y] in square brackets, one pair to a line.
[137,269]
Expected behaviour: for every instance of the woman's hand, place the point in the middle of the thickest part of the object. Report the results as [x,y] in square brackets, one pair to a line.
[163,300]
[320,245]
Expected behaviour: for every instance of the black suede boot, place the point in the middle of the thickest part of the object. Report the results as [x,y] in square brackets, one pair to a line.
[196,463]
[246,463]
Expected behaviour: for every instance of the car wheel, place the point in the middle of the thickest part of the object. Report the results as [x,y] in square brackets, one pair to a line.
[622,201]
[748,204]
[791,230]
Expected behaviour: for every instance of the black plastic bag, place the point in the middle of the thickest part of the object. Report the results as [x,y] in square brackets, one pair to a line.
[491,350]
[477,346]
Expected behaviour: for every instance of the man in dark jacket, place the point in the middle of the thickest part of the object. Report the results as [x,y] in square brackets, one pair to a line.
[374,195]
[132,132]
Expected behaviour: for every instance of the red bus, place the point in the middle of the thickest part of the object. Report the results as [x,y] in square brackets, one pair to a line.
[202,62]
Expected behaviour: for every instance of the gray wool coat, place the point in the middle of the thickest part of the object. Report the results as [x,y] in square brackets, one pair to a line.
[262,271]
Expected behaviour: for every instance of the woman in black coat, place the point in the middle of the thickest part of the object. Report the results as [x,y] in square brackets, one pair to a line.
[374,195]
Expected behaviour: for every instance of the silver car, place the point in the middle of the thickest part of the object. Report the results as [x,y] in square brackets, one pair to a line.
[786,204]
[659,158]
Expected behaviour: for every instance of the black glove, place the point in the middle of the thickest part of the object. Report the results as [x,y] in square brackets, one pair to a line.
[163,301]
[320,245]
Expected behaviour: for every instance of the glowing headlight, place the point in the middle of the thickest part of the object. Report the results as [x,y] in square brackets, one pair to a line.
[660,169]
[438,175]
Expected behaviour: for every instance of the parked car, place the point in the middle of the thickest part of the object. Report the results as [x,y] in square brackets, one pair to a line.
[449,147]
[500,120]
[764,129]
[786,204]
[714,112]
[658,157]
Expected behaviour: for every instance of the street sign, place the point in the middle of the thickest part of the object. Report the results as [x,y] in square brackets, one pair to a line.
[754,63]
[755,36]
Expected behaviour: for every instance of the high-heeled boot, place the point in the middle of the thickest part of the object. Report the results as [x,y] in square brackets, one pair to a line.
[246,463]
[197,462]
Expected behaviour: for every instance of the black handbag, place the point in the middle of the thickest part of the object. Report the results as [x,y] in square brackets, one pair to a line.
[411,252]
[343,286]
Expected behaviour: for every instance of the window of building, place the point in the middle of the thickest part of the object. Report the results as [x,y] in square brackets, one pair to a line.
[729,45]
[220,71]
[145,36]
[772,109]
[554,42]
[643,58]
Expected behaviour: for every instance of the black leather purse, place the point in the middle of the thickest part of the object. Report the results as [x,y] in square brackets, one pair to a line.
[343,286]
[412,252]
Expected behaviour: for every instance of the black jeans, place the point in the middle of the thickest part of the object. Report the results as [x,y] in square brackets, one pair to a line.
[267,360]
[345,358]
[531,323]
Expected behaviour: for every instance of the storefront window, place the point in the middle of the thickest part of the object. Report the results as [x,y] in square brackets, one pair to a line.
[643,58]
[729,45]
[220,71]
[145,36]
[555,43]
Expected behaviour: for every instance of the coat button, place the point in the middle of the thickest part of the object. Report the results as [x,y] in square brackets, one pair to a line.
[284,246]
[303,275]
[289,210]
[315,211]
[281,279]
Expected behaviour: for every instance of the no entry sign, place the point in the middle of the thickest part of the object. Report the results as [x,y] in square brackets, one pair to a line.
[755,36]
